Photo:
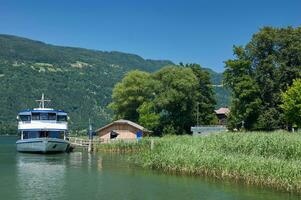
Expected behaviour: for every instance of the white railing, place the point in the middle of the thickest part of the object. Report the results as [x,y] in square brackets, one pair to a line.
[85,141]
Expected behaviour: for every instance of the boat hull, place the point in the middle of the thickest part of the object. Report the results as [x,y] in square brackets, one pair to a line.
[42,145]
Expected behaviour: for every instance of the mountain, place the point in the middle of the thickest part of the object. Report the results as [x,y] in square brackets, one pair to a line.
[222,94]
[77,80]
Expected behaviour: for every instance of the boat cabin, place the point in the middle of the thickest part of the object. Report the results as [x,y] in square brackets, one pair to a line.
[42,123]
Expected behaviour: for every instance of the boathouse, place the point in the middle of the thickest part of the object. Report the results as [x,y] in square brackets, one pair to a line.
[122,129]
[222,114]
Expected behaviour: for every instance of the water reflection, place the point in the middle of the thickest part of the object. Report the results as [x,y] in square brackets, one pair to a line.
[76,159]
[40,176]
[80,176]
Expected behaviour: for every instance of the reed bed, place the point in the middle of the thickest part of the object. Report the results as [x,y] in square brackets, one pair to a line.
[124,146]
[265,159]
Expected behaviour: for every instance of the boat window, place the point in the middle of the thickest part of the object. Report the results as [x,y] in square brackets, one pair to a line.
[51,116]
[43,134]
[35,116]
[43,116]
[25,117]
[56,134]
[62,118]
[30,134]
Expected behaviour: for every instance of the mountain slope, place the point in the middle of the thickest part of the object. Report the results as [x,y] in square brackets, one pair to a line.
[222,94]
[77,80]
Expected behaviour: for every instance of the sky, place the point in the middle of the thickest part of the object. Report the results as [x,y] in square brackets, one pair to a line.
[187,31]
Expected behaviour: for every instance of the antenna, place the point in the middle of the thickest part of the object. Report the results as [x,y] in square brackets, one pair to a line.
[42,101]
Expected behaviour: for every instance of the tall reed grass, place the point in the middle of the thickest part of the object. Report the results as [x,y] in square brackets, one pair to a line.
[124,146]
[267,159]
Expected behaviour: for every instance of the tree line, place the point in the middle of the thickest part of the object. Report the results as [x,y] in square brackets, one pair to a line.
[263,79]
[165,101]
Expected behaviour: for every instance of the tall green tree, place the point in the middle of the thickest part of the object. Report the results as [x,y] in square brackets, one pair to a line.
[266,65]
[176,97]
[204,95]
[292,104]
[134,89]
[166,100]
[148,117]
[245,92]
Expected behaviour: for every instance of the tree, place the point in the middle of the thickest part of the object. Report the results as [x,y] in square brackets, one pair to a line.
[261,70]
[205,95]
[134,89]
[164,101]
[176,97]
[148,117]
[292,104]
[245,92]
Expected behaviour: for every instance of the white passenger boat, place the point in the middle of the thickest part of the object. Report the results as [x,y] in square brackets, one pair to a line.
[42,130]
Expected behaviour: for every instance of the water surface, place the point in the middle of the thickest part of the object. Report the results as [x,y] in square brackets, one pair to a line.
[81,176]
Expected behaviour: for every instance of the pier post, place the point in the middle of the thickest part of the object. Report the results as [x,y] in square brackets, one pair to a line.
[90,146]
[152,144]
[90,132]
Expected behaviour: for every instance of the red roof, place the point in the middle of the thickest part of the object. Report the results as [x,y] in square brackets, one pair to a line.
[222,111]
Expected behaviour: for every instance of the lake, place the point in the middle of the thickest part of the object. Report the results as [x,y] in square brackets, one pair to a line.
[80,176]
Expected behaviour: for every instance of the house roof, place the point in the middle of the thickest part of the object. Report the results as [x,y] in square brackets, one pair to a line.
[123,121]
[224,111]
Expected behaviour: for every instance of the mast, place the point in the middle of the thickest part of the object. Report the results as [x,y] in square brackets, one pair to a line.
[42,101]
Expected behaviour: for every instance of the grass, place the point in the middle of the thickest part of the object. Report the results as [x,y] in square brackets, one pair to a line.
[266,159]
[124,146]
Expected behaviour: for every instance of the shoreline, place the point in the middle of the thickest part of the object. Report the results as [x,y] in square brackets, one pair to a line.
[270,160]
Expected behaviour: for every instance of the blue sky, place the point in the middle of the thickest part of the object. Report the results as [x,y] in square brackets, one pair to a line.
[186,31]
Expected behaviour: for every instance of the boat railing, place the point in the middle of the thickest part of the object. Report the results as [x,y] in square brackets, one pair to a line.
[43,121]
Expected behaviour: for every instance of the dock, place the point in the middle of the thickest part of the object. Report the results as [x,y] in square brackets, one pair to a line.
[81,142]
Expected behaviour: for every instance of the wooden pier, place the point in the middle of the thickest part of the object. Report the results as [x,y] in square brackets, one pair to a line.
[76,141]
[86,143]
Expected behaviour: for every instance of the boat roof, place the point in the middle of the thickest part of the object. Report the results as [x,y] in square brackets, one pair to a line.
[42,110]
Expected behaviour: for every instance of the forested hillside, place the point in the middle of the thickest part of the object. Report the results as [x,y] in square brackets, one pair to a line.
[222,95]
[77,80]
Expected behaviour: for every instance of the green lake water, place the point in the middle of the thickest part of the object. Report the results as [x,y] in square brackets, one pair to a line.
[83,176]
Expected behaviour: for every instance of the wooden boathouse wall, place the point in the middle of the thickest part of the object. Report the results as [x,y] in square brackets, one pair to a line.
[124,128]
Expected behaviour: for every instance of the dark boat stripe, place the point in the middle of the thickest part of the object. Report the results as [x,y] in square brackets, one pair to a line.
[28,142]
[21,142]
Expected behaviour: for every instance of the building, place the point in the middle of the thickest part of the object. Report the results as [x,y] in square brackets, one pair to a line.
[222,114]
[206,130]
[122,129]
